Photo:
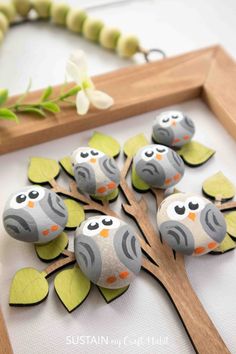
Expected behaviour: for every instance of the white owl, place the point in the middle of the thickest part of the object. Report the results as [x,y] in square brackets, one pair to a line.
[95,173]
[107,251]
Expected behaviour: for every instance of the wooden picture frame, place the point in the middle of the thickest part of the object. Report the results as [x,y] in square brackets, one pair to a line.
[208,73]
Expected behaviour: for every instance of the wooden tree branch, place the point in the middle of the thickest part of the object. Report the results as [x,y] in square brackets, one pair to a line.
[61,263]
[227,206]
[5,344]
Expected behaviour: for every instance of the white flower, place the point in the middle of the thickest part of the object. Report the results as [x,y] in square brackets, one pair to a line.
[76,68]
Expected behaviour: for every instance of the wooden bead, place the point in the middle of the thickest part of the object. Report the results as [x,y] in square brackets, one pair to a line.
[92,29]
[8,10]
[109,37]
[75,20]
[22,7]
[42,7]
[59,13]
[113,248]
[190,224]
[4,23]
[127,46]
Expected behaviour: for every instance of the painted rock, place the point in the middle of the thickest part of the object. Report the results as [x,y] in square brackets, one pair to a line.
[107,251]
[190,224]
[95,173]
[172,128]
[158,166]
[35,214]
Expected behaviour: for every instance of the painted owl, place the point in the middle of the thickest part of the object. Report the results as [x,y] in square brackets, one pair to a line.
[190,224]
[172,128]
[107,251]
[158,166]
[35,214]
[95,173]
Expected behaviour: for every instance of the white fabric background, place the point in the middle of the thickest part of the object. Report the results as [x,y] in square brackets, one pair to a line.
[145,310]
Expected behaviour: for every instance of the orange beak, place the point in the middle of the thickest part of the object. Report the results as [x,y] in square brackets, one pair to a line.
[192,216]
[158,157]
[104,233]
[173,123]
[30,204]
[92,160]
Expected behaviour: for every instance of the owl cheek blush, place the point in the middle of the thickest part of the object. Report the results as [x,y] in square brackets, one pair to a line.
[190,224]
[35,214]
[107,251]
[95,173]
[158,166]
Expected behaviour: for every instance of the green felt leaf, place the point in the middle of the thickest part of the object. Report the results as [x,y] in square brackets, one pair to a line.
[105,143]
[52,250]
[109,198]
[67,165]
[137,182]
[72,287]
[7,114]
[46,94]
[3,96]
[195,154]
[75,213]
[218,186]
[231,224]
[51,107]
[42,170]
[132,145]
[33,110]
[112,294]
[226,245]
[28,287]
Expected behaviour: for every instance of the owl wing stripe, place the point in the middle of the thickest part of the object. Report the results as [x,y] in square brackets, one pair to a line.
[53,208]
[176,158]
[124,245]
[147,170]
[83,171]
[13,228]
[188,122]
[20,220]
[59,203]
[133,245]
[215,220]
[89,250]
[183,234]
[163,131]
[106,167]
[84,258]
[175,235]
[154,167]
[209,224]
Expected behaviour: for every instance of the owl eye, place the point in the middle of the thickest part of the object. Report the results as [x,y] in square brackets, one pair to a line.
[33,194]
[177,211]
[149,153]
[107,222]
[166,120]
[162,150]
[94,153]
[93,226]
[84,154]
[195,204]
[177,116]
[21,198]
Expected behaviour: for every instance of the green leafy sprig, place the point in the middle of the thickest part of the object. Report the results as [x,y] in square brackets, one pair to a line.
[46,103]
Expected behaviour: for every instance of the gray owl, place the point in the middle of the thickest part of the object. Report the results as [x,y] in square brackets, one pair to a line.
[190,224]
[95,173]
[35,214]
[158,166]
[173,128]
[107,251]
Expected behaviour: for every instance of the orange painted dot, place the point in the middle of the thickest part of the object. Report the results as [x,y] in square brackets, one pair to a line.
[177,177]
[176,141]
[199,250]
[212,245]
[101,190]
[111,185]
[45,232]
[54,227]
[168,181]
[124,274]
[111,279]
[186,137]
